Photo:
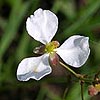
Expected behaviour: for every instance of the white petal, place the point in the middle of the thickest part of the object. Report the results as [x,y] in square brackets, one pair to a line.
[33,67]
[42,26]
[75,50]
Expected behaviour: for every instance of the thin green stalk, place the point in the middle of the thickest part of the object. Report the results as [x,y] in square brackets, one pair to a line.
[65,92]
[79,76]
[69,69]
[82,97]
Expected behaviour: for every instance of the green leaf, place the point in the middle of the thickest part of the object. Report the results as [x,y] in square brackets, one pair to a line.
[86,14]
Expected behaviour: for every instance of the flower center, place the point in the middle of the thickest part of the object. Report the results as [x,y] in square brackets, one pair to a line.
[51,46]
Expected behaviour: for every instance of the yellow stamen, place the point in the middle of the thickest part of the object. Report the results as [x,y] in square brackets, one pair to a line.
[97,86]
[51,46]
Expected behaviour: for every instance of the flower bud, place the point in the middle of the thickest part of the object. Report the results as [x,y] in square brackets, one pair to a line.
[54,59]
[97,86]
[92,90]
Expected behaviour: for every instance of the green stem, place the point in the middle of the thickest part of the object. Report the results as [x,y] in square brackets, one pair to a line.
[65,92]
[77,75]
[82,90]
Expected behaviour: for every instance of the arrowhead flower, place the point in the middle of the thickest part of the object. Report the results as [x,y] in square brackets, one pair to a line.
[42,26]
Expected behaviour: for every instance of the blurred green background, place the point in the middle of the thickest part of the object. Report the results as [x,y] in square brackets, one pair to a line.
[75,17]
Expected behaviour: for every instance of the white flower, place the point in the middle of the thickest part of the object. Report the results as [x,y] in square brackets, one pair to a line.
[42,26]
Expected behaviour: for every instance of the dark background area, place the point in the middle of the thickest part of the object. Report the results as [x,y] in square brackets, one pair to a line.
[75,17]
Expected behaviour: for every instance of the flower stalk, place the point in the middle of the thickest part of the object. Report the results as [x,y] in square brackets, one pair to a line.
[73,72]
[82,83]
[79,76]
